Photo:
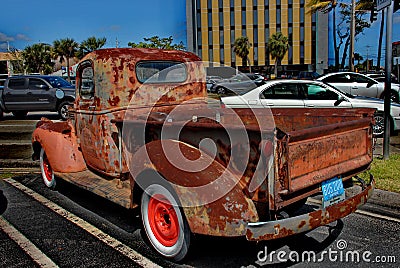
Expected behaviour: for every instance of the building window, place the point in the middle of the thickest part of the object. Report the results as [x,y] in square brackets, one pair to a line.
[221,55]
[210,55]
[221,38]
[210,37]
[266,17]
[232,19]
[290,15]
[255,17]
[209,20]
[232,5]
[220,4]
[232,36]
[255,35]
[243,18]
[278,16]
[221,19]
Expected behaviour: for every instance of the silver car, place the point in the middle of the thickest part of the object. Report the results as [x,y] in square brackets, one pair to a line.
[313,94]
[359,85]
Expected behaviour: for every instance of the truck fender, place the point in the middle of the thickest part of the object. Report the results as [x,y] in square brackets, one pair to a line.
[212,199]
[59,141]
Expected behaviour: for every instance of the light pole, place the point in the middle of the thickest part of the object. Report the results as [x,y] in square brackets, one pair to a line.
[352,33]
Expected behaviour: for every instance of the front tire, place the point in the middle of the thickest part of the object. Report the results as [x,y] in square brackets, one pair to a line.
[164,223]
[63,109]
[46,170]
[20,114]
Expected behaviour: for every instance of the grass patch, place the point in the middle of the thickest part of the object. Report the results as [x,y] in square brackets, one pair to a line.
[6,175]
[386,173]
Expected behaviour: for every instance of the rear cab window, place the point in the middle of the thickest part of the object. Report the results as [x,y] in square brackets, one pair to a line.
[155,72]
[86,85]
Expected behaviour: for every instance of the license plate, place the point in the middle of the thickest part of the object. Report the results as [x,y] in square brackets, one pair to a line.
[333,191]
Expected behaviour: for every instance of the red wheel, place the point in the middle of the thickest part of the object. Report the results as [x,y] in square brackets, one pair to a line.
[165,226]
[47,171]
[163,220]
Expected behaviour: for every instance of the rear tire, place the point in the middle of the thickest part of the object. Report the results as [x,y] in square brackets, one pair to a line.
[379,125]
[221,90]
[164,223]
[46,170]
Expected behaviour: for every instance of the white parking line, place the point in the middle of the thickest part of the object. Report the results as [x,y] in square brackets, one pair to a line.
[110,241]
[27,246]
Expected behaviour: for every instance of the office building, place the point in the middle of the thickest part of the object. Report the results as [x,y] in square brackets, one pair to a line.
[213,26]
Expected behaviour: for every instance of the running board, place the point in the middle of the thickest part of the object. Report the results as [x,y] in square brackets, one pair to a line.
[114,190]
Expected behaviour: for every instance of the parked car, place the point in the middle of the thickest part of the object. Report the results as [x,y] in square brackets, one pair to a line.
[238,83]
[23,94]
[211,80]
[307,93]
[308,75]
[360,85]
[380,77]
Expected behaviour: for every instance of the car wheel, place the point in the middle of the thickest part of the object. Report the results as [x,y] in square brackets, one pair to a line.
[63,109]
[221,90]
[46,170]
[394,96]
[165,225]
[379,126]
[20,114]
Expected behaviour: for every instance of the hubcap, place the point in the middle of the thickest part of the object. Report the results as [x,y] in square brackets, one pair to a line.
[163,220]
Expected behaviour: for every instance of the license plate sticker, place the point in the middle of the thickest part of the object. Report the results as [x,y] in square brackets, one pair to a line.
[333,191]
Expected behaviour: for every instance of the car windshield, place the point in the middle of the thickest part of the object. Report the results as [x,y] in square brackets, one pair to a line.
[340,91]
[58,82]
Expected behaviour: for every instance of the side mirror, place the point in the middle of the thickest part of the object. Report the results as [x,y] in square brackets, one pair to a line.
[370,84]
[339,101]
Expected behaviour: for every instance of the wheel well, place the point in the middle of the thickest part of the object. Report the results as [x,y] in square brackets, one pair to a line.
[36,146]
[68,99]
[146,178]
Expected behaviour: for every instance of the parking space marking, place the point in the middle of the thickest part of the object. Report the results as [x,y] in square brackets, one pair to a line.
[26,245]
[105,238]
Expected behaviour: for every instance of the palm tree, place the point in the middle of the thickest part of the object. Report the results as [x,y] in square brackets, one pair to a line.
[65,49]
[326,6]
[241,48]
[278,45]
[37,58]
[89,45]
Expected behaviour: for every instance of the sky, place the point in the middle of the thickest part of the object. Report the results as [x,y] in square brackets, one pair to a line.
[24,23]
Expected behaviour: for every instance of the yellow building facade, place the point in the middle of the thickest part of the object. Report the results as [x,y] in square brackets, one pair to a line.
[217,23]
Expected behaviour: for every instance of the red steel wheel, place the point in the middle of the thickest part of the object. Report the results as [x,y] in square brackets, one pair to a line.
[165,226]
[47,171]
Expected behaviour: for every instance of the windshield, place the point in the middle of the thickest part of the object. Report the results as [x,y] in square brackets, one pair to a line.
[340,91]
[58,82]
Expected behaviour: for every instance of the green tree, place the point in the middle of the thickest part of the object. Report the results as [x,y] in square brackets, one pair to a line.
[327,6]
[89,45]
[64,49]
[278,45]
[241,47]
[157,42]
[37,58]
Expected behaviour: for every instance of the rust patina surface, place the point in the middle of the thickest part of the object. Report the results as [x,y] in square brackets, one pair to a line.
[232,170]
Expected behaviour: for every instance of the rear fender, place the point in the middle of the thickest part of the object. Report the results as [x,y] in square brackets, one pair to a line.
[211,198]
[59,141]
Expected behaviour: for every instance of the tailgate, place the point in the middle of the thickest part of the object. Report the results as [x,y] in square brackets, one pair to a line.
[307,157]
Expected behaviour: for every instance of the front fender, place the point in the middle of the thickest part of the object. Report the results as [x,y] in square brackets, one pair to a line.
[211,198]
[59,141]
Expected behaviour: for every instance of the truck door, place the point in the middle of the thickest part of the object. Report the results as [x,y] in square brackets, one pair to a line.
[15,94]
[41,95]
[93,127]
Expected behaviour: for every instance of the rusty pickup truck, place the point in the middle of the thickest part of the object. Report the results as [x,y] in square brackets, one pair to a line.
[144,135]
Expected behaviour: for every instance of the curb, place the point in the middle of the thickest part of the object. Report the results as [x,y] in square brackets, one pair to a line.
[385,199]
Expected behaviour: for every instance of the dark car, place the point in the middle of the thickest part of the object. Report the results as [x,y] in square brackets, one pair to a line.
[238,83]
[28,93]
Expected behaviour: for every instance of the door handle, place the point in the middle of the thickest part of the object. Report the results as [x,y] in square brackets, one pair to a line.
[310,105]
[29,93]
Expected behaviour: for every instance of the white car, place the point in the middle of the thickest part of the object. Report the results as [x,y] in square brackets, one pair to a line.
[313,94]
[359,85]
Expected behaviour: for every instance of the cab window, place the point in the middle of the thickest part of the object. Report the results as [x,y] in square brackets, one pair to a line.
[154,72]
[86,85]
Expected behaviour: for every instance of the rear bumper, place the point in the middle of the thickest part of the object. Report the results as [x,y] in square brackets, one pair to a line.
[294,225]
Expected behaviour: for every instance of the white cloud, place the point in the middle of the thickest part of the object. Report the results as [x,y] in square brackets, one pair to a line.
[22,37]
[5,38]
